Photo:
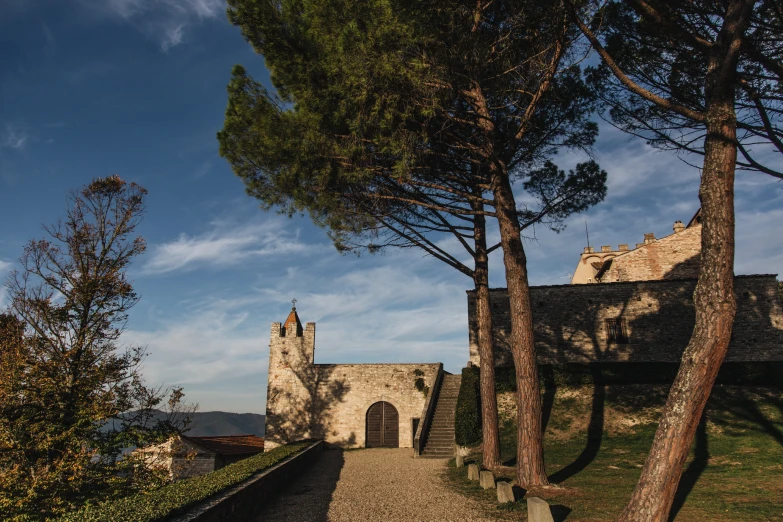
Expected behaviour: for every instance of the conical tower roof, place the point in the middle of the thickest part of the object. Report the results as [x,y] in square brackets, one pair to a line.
[293,321]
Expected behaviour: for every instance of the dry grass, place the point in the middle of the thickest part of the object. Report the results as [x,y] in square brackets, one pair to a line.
[596,443]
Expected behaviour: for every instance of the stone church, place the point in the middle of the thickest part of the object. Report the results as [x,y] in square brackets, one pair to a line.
[624,305]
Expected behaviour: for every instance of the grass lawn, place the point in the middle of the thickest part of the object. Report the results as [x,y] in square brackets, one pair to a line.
[597,439]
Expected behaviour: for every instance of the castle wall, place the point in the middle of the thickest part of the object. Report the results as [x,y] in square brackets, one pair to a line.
[672,257]
[569,321]
[330,401]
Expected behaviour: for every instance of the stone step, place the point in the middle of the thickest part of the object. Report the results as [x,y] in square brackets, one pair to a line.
[446,452]
[440,439]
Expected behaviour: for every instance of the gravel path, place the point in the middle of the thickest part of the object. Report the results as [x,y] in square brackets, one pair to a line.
[371,484]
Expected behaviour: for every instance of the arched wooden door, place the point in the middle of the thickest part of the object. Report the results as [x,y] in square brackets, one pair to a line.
[383,426]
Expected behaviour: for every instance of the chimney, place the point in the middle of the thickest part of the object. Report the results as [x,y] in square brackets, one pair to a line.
[639,245]
[649,238]
[623,248]
[589,250]
[678,227]
[606,248]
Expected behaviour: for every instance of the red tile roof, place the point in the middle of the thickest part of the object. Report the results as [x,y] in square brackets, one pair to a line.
[230,444]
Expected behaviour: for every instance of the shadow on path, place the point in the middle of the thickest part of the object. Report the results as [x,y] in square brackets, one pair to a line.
[308,497]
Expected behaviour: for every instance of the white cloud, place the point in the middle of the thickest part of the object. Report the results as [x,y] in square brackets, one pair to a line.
[5,268]
[164,20]
[374,310]
[226,245]
[172,37]
[14,138]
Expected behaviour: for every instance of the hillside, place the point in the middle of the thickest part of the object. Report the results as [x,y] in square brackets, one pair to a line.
[211,423]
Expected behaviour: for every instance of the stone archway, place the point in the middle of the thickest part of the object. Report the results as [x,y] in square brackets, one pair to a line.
[383,426]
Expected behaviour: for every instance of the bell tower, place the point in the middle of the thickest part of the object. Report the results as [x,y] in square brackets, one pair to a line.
[291,357]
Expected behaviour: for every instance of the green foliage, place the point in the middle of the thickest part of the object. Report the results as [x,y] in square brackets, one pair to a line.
[375,131]
[423,388]
[467,420]
[71,396]
[418,373]
[176,498]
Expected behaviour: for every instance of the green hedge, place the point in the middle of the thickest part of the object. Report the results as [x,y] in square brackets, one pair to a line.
[467,421]
[177,498]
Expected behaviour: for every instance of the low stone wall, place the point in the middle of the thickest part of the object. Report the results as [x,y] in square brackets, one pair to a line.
[245,501]
[570,321]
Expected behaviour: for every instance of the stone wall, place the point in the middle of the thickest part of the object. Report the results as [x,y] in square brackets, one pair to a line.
[330,401]
[570,321]
[180,457]
[672,257]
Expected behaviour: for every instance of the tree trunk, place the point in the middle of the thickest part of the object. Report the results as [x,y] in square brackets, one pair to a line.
[490,449]
[530,452]
[714,296]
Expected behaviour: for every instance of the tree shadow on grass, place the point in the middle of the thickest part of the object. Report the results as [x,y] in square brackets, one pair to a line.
[595,430]
[548,400]
[697,466]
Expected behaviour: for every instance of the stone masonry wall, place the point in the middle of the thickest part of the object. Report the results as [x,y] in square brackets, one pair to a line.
[330,401]
[569,321]
[181,458]
[672,257]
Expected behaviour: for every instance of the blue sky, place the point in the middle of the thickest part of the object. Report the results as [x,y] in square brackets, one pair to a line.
[90,88]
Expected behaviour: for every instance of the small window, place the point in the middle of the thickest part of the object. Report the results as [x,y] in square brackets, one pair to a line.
[616,331]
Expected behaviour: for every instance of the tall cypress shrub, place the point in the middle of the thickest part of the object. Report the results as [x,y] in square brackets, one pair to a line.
[467,421]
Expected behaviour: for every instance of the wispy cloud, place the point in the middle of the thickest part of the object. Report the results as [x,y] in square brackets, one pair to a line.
[165,20]
[226,245]
[14,138]
[368,310]
[5,268]
[172,36]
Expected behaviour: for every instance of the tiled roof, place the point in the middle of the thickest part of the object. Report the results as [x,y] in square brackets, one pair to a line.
[230,444]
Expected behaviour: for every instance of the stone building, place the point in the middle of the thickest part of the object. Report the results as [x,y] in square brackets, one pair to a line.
[636,306]
[624,305]
[350,405]
[186,457]
[675,256]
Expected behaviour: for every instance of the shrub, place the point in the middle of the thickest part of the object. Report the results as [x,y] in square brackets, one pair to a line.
[467,421]
[423,388]
[177,498]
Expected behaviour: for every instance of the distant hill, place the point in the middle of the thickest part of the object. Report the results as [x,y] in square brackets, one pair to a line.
[213,423]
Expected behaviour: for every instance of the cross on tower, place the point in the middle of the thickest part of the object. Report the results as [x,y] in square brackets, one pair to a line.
[293,303]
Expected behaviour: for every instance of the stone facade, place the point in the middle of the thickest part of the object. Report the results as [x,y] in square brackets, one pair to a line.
[330,401]
[570,321]
[182,458]
[675,256]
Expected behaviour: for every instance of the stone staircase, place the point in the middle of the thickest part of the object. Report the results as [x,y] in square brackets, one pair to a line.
[440,439]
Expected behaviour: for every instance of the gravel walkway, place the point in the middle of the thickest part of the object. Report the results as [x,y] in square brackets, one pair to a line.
[371,484]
